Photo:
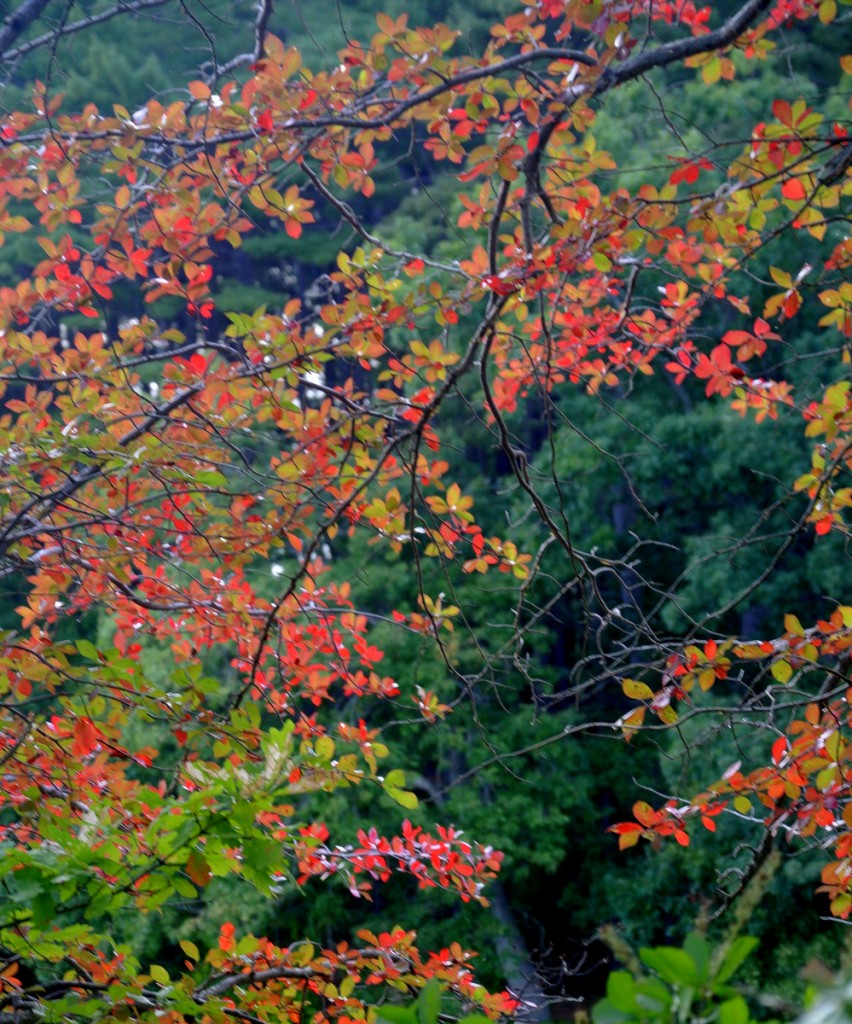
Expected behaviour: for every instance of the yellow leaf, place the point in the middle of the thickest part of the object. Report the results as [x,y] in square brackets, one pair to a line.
[749,651]
[781,277]
[257,198]
[190,949]
[782,671]
[827,11]
[832,746]
[712,71]
[636,690]
[792,625]
[667,715]
[628,839]
[631,722]
[706,679]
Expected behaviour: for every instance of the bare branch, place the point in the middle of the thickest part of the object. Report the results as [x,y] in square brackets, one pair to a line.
[19,21]
[130,7]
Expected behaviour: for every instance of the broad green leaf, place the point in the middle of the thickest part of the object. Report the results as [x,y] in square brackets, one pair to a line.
[605,1013]
[698,949]
[673,965]
[621,991]
[395,778]
[397,1015]
[429,1003]
[734,1011]
[190,949]
[739,950]
[159,974]
[87,649]
[405,798]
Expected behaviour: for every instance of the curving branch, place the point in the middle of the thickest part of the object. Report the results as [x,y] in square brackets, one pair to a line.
[680,49]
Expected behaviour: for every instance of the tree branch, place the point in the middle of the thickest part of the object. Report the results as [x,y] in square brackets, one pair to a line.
[680,49]
[19,21]
[76,26]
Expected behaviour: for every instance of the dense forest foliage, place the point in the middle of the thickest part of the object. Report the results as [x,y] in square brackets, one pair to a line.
[684,523]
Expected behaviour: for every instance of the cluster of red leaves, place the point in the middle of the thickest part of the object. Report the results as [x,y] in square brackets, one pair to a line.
[447,861]
[806,786]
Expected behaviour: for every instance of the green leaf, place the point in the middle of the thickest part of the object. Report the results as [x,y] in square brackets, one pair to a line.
[674,966]
[190,949]
[403,797]
[734,1011]
[697,947]
[397,1015]
[324,748]
[739,950]
[183,887]
[211,478]
[395,779]
[605,1013]
[653,997]
[429,1003]
[87,649]
[159,974]
[621,991]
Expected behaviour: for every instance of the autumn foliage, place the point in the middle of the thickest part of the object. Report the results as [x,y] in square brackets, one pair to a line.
[120,794]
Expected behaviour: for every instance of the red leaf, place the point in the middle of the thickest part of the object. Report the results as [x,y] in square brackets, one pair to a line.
[198,869]
[644,813]
[198,363]
[781,109]
[226,936]
[87,737]
[793,189]
[779,749]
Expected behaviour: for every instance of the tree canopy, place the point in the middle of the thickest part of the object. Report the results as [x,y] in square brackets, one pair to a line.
[537,435]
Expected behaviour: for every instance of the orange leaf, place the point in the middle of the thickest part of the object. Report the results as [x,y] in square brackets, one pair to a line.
[86,737]
[793,189]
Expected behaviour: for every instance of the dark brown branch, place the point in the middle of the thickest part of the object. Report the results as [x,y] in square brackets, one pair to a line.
[264,13]
[219,986]
[19,21]
[680,49]
[837,166]
[75,26]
